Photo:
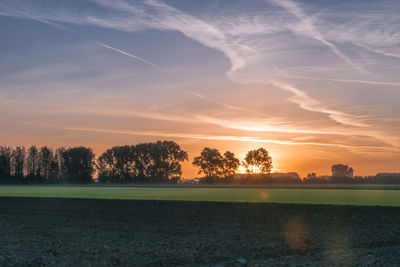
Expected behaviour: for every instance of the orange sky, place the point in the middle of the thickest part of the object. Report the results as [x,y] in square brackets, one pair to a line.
[315,83]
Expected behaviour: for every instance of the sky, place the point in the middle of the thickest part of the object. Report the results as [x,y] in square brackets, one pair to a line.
[314,82]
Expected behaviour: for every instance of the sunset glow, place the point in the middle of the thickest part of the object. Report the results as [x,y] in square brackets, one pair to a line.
[313,82]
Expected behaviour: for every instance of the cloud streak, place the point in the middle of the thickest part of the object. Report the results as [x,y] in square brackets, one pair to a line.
[310,104]
[222,104]
[395,84]
[312,30]
[209,137]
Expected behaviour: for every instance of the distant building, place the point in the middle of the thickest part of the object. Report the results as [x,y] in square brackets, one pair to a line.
[278,175]
[189,181]
[274,175]
[383,174]
[387,178]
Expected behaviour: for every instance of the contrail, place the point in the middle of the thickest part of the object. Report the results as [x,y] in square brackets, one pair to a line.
[61,27]
[128,54]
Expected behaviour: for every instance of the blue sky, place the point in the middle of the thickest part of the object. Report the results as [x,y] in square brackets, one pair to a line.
[315,82]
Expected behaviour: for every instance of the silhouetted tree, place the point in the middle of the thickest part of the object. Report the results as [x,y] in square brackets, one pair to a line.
[341,173]
[5,164]
[57,168]
[258,161]
[78,164]
[117,164]
[166,158]
[32,163]
[146,162]
[340,170]
[45,162]
[312,176]
[230,164]
[142,161]
[17,162]
[210,162]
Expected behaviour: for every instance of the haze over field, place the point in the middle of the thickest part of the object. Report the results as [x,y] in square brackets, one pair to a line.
[314,82]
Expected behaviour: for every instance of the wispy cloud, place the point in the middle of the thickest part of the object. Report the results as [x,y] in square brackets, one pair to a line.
[210,137]
[313,31]
[395,84]
[211,36]
[57,25]
[304,101]
[222,104]
[254,43]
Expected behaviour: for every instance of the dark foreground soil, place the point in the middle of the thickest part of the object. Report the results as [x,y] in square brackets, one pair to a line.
[74,232]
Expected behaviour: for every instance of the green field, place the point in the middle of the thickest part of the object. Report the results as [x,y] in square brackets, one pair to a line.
[345,195]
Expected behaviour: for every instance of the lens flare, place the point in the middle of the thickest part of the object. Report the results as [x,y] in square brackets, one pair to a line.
[297,234]
[263,195]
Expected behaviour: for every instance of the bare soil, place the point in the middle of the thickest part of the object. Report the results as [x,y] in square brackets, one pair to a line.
[83,232]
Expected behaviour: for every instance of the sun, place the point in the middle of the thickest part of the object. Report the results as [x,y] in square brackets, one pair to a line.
[253,169]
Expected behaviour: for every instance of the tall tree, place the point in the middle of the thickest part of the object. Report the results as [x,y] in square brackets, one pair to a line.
[45,162]
[117,164]
[78,164]
[230,164]
[145,162]
[57,169]
[32,162]
[258,161]
[18,161]
[5,163]
[210,162]
[342,171]
[166,158]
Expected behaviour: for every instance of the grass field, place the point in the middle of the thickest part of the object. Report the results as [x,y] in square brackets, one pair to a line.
[342,195]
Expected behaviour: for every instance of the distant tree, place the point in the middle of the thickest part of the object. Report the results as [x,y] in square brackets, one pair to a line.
[116,164]
[166,158]
[342,171]
[45,161]
[145,162]
[230,164]
[78,164]
[210,162]
[57,169]
[54,173]
[32,162]
[258,161]
[5,163]
[312,176]
[18,162]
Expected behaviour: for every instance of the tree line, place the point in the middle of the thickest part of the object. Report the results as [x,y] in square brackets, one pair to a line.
[156,162]
[44,164]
